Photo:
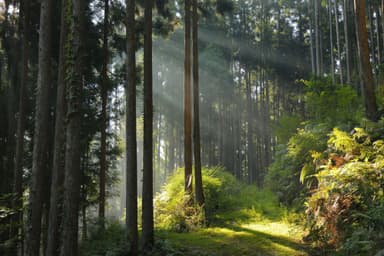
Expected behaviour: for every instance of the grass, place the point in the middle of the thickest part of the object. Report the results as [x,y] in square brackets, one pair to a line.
[253,239]
[241,220]
[244,221]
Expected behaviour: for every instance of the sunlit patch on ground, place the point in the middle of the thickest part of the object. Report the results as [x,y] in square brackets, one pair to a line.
[254,239]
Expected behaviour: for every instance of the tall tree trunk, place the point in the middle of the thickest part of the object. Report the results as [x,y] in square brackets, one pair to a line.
[311,39]
[40,145]
[187,101]
[378,36]
[148,232]
[338,42]
[171,150]
[331,40]
[317,38]
[347,43]
[56,200]
[366,76]
[18,165]
[250,143]
[104,98]
[131,140]
[199,194]
[72,154]
[372,42]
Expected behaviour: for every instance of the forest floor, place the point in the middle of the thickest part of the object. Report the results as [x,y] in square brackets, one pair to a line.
[261,238]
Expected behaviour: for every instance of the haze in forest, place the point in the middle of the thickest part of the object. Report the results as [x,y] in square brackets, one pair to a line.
[218,127]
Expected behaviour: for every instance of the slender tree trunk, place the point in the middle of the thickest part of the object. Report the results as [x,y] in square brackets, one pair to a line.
[199,194]
[56,200]
[171,150]
[311,38]
[338,42]
[148,232]
[131,140]
[347,44]
[377,27]
[331,40]
[382,22]
[250,143]
[187,101]
[317,38]
[73,152]
[18,165]
[372,43]
[363,51]
[40,145]
[104,98]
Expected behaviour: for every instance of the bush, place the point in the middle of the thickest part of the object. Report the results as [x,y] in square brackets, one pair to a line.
[109,242]
[346,210]
[331,103]
[226,200]
[292,161]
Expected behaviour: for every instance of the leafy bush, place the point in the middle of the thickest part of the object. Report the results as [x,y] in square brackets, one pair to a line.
[226,200]
[346,210]
[109,242]
[291,161]
[331,103]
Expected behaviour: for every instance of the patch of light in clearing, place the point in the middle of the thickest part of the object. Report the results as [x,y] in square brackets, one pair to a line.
[273,228]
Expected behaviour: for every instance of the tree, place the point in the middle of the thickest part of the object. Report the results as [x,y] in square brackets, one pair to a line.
[187,100]
[148,131]
[366,77]
[74,117]
[104,98]
[331,40]
[317,38]
[40,146]
[131,142]
[21,122]
[338,42]
[57,182]
[199,194]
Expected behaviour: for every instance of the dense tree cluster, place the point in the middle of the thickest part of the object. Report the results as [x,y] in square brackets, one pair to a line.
[253,86]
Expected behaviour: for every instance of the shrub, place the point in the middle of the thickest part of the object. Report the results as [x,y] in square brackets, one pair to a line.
[346,210]
[109,242]
[226,200]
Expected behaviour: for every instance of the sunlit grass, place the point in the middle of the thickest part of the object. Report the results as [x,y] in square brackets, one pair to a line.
[244,220]
[266,238]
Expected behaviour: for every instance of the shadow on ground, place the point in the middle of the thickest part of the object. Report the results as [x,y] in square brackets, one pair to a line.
[232,240]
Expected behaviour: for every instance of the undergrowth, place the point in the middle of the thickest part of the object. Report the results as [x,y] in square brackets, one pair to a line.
[227,200]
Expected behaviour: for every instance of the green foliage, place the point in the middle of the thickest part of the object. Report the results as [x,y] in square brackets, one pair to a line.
[286,127]
[346,210]
[331,103]
[108,242]
[293,161]
[227,200]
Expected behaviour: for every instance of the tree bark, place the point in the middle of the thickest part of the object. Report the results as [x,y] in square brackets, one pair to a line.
[148,233]
[74,116]
[187,101]
[331,40]
[40,145]
[21,120]
[57,189]
[347,44]
[338,43]
[367,84]
[199,194]
[104,98]
[317,38]
[131,140]
[313,67]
